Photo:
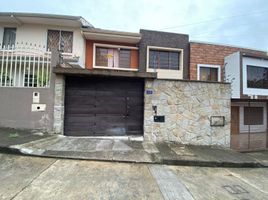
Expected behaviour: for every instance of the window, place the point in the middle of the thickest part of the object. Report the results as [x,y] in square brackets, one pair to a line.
[253,115]
[257,77]
[159,59]
[9,37]
[55,38]
[208,72]
[113,57]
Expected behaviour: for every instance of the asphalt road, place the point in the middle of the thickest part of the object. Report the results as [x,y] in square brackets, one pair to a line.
[43,178]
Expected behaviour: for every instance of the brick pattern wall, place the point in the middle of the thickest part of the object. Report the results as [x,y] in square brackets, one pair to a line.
[212,54]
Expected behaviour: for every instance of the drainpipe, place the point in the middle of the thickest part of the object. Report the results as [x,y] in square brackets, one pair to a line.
[248,129]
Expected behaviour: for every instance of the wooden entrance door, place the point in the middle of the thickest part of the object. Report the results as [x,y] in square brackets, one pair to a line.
[235,120]
[235,127]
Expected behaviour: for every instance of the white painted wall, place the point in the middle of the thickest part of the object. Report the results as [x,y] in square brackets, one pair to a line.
[232,73]
[37,34]
[255,62]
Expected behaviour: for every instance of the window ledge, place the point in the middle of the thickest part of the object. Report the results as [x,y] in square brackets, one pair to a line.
[115,68]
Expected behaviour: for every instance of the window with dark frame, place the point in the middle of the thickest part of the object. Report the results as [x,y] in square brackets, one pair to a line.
[253,115]
[159,59]
[208,73]
[113,57]
[257,77]
[56,37]
[9,37]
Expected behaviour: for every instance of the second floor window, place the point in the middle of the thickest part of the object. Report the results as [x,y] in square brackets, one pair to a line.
[113,57]
[159,59]
[208,72]
[55,38]
[257,77]
[9,37]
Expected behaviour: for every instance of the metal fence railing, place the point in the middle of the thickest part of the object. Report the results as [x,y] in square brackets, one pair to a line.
[24,65]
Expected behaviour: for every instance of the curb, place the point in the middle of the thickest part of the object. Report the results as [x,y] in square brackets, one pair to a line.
[198,163]
[194,163]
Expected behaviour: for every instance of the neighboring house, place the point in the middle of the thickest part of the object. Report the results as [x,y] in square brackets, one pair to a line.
[26,84]
[133,85]
[246,70]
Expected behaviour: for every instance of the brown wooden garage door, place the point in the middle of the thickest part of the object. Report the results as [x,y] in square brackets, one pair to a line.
[103,107]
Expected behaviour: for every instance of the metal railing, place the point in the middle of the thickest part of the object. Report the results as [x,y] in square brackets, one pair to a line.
[25,65]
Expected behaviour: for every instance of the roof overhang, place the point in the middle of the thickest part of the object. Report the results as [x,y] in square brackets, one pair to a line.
[253,55]
[111,36]
[46,19]
[77,71]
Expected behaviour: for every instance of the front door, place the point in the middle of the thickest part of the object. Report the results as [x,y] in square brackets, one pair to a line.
[234,127]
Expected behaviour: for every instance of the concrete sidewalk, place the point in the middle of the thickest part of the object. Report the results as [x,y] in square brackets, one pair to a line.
[55,146]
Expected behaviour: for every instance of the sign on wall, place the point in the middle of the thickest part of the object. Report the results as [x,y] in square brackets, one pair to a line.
[217,121]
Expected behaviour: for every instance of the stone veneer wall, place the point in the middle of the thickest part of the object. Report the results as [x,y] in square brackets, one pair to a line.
[59,104]
[187,106]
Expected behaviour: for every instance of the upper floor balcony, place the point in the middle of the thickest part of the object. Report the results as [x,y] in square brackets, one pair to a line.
[248,75]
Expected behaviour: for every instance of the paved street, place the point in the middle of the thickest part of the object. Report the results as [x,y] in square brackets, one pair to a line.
[43,178]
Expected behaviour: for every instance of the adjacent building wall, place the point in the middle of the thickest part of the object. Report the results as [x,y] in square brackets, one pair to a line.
[16,105]
[187,107]
[15,108]
[232,73]
[202,53]
[164,39]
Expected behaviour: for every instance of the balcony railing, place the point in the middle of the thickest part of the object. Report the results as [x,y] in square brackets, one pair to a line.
[25,65]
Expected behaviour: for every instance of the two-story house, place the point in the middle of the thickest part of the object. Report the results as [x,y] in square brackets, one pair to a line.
[119,63]
[245,69]
[135,84]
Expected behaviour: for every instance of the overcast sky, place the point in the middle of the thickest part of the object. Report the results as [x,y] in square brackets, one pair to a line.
[237,22]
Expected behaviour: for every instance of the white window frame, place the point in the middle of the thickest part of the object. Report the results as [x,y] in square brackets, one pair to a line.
[254,62]
[209,66]
[166,73]
[95,45]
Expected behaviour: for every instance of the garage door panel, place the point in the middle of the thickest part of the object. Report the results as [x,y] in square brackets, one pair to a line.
[110,125]
[81,109]
[80,100]
[103,107]
[110,109]
[76,118]
[79,126]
